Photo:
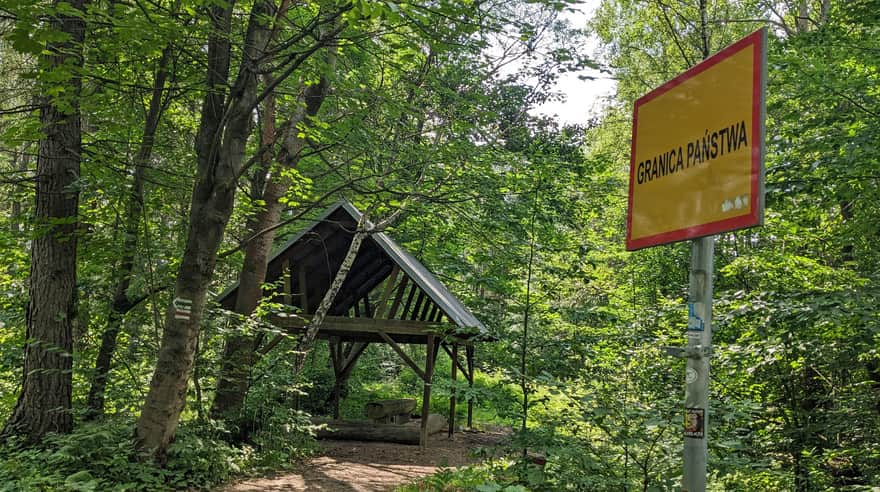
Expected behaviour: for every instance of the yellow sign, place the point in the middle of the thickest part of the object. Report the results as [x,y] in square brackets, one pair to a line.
[696,166]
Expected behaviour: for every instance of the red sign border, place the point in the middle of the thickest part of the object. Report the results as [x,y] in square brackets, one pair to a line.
[758,41]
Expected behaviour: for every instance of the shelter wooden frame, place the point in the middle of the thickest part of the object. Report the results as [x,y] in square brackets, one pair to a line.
[388,297]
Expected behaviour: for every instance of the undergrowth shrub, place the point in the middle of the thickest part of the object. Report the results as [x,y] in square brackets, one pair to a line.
[102,457]
[487,477]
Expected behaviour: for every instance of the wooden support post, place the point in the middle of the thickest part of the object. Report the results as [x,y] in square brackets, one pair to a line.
[336,358]
[426,393]
[469,354]
[457,362]
[354,352]
[454,356]
[344,361]
[285,274]
[303,290]
[390,341]
[368,309]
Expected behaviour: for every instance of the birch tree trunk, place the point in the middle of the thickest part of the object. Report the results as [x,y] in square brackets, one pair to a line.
[308,341]
[363,229]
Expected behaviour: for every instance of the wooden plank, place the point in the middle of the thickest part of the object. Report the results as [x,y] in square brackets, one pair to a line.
[303,289]
[426,392]
[285,272]
[454,356]
[418,370]
[426,309]
[418,306]
[366,329]
[365,325]
[433,313]
[469,355]
[455,359]
[409,298]
[386,294]
[401,289]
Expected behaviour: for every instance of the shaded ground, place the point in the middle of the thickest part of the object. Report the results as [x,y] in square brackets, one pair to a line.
[356,466]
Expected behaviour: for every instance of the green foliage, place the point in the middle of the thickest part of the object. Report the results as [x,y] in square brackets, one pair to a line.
[99,457]
[422,118]
[488,477]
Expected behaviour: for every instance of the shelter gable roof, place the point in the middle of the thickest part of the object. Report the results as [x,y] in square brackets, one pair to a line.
[324,243]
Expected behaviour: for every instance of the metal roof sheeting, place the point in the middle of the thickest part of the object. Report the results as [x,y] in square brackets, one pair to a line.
[413,268]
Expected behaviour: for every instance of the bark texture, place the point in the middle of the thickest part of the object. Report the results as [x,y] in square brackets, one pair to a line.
[122,303]
[220,147]
[407,433]
[44,403]
[239,352]
[308,340]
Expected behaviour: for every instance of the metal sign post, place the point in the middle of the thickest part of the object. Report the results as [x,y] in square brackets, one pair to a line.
[697,169]
[699,349]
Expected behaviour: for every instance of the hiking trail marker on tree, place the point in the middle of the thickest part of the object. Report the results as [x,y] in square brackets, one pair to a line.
[697,169]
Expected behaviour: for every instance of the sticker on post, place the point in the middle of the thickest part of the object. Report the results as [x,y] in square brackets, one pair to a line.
[182,308]
[690,375]
[695,323]
[694,422]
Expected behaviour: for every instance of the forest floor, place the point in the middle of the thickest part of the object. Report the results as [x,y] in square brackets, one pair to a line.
[357,466]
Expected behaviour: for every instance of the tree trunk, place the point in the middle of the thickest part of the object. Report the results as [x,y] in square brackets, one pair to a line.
[122,303]
[220,147]
[238,354]
[803,17]
[370,431]
[306,343]
[382,409]
[22,160]
[44,403]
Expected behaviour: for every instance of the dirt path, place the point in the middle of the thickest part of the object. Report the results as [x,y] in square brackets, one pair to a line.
[355,466]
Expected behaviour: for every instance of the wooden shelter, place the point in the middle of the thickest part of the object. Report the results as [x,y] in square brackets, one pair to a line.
[388,297]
